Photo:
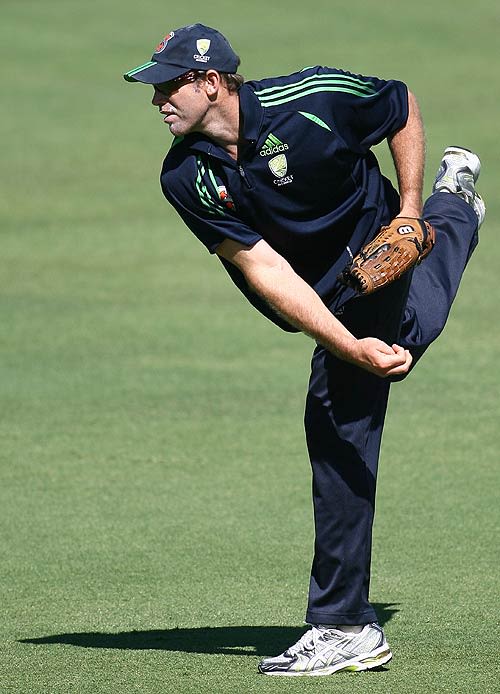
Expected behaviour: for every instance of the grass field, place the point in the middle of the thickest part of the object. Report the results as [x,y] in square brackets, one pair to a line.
[151,459]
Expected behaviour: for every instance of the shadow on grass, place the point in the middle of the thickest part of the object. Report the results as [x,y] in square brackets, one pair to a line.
[242,640]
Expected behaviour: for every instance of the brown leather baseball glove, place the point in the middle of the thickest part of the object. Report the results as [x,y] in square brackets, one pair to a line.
[396,248]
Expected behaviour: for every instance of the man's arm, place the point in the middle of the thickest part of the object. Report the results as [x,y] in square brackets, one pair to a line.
[407,147]
[270,276]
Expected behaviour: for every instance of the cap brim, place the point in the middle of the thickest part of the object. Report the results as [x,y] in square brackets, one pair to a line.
[154,73]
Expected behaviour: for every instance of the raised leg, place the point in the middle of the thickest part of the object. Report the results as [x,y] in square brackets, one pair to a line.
[435,281]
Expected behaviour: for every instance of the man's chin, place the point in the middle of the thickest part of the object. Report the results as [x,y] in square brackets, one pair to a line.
[176,129]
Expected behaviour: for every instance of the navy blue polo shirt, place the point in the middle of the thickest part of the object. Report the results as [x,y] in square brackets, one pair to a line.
[305,180]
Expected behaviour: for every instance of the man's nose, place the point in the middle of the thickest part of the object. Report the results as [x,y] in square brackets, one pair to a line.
[158,99]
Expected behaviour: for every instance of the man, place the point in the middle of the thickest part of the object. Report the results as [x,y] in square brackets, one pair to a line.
[278,179]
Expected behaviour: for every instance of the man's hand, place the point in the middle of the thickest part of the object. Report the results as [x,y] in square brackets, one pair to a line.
[379,358]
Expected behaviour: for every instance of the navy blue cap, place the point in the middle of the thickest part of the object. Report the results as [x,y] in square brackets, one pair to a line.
[194,47]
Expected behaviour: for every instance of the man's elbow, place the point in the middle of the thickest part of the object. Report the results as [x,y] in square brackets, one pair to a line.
[270,273]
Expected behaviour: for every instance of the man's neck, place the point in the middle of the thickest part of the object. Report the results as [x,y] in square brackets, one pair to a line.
[224,124]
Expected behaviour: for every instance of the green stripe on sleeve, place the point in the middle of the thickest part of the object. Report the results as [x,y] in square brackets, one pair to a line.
[354,81]
[313,90]
[205,197]
[213,181]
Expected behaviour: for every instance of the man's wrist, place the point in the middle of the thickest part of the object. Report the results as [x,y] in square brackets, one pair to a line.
[411,204]
[345,349]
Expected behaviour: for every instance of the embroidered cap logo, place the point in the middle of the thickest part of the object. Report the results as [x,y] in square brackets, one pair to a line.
[163,43]
[202,46]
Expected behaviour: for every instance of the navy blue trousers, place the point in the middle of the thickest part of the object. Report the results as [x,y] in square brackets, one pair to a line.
[345,411]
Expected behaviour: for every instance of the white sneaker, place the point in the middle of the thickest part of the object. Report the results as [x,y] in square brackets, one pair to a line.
[325,650]
[458,173]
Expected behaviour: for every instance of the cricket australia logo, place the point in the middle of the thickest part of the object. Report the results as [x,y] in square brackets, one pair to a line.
[279,167]
[202,46]
[272,146]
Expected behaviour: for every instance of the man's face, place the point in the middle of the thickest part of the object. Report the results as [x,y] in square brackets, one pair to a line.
[183,102]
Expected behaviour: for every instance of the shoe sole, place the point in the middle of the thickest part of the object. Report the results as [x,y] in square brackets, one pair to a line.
[365,661]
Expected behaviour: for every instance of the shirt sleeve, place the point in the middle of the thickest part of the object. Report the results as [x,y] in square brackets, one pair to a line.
[365,110]
[196,190]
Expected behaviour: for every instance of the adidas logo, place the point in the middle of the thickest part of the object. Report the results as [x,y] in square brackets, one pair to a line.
[272,146]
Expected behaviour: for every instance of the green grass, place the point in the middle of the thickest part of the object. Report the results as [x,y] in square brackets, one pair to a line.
[152,456]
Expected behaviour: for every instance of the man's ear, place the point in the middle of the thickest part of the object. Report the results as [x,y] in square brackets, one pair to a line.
[212,82]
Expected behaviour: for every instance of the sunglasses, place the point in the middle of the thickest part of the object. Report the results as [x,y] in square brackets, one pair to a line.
[166,88]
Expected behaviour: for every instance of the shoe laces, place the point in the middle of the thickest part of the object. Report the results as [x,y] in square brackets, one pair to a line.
[306,642]
[309,640]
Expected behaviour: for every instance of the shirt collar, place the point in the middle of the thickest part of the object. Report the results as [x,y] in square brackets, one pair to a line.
[252,113]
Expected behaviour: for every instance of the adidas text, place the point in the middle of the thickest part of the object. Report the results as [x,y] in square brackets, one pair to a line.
[267,151]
